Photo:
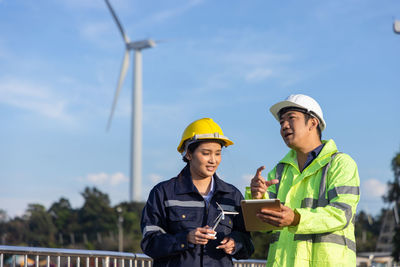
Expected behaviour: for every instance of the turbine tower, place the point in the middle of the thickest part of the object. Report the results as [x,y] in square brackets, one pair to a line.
[136,124]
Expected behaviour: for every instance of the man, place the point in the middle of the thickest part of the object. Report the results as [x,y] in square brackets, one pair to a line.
[318,188]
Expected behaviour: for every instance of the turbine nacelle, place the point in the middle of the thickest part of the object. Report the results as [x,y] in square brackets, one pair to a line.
[140,45]
[396,26]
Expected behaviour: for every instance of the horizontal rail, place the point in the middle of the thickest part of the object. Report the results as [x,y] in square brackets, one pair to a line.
[67,252]
[83,257]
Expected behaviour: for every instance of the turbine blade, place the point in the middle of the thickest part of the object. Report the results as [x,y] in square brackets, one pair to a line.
[124,36]
[124,68]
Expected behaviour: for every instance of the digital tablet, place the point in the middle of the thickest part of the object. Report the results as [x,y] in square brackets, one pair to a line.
[250,207]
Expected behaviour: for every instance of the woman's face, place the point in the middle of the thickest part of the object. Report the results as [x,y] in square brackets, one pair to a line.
[205,159]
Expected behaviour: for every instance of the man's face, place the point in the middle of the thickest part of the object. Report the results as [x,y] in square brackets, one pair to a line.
[294,130]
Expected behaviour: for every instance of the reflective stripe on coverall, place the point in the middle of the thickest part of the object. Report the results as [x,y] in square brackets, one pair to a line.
[325,233]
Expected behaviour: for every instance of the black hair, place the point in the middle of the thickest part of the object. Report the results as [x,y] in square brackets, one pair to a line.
[192,147]
[307,116]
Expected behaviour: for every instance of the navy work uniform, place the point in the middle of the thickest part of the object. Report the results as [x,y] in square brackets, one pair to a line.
[175,207]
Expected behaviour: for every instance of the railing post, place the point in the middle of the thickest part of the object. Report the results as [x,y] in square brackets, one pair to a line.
[106,262]
[26,260]
[78,262]
[37,261]
[58,261]
[1,259]
[48,261]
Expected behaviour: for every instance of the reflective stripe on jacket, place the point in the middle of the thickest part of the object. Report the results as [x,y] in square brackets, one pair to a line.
[325,234]
[175,207]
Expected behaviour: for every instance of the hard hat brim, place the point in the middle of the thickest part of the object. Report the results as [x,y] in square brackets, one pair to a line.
[226,141]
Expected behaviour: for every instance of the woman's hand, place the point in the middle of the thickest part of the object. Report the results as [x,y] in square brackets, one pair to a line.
[228,245]
[201,235]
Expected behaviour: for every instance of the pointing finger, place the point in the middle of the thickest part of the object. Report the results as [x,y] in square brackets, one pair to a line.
[259,170]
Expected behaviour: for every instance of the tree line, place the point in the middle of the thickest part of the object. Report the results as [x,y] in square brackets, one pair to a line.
[95,224]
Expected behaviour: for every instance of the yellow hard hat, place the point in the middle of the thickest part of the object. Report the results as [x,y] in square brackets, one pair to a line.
[204,128]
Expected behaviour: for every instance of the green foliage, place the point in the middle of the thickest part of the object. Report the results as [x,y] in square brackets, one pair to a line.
[41,229]
[393,196]
[15,232]
[367,231]
[261,245]
[132,212]
[96,215]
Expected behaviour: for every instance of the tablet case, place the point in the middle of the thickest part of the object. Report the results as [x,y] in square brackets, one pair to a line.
[250,207]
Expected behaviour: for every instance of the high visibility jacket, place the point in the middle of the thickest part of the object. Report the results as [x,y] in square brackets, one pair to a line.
[175,207]
[325,194]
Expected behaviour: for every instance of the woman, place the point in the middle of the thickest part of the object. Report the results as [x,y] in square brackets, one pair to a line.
[179,216]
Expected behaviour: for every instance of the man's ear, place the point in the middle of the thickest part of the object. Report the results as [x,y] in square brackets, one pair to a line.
[314,123]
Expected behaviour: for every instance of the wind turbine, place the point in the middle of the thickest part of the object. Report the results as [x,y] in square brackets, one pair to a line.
[136,124]
[396,26]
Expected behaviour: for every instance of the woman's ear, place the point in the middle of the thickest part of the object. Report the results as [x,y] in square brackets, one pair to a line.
[188,156]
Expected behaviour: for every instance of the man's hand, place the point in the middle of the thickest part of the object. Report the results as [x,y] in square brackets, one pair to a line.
[228,245]
[285,217]
[259,185]
[201,235]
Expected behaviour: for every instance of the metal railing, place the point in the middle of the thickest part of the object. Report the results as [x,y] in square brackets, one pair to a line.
[16,256]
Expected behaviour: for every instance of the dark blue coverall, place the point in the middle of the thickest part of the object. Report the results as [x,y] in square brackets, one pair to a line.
[175,207]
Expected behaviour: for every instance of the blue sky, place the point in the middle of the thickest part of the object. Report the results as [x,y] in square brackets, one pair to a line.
[228,60]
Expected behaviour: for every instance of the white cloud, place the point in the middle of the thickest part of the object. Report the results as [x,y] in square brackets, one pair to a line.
[33,97]
[257,58]
[95,30]
[104,178]
[118,178]
[373,188]
[166,14]
[97,178]
[84,3]
[258,74]
[155,178]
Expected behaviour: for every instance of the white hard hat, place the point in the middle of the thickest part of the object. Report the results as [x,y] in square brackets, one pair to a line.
[300,101]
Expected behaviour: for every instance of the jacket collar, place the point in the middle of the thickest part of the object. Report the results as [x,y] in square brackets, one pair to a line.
[184,183]
[322,159]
